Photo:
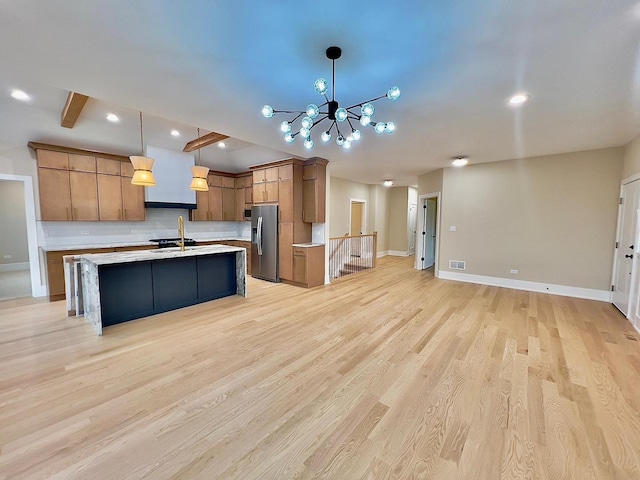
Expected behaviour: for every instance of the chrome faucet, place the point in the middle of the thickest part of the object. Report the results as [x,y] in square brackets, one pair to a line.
[181,232]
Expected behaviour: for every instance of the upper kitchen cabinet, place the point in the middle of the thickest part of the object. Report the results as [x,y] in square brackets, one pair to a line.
[79,185]
[314,184]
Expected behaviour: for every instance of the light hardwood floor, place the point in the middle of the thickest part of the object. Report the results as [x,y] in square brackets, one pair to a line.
[387,374]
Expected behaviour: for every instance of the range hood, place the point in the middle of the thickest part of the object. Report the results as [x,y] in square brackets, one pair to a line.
[173,176]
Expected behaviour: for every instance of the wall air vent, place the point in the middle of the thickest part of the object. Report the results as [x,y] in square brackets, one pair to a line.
[457,265]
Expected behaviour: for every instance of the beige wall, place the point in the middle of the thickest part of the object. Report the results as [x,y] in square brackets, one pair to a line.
[13,233]
[553,218]
[342,191]
[430,182]
[398,206]
[379,215]
[631,164]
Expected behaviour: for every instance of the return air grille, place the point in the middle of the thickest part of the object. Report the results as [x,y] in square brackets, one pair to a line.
[457,265]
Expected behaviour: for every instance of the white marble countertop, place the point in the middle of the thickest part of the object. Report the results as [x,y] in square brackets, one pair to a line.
[158,254]
[308,245]
[56,248]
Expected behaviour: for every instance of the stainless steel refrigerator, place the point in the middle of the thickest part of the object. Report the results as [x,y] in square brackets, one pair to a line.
[264,242]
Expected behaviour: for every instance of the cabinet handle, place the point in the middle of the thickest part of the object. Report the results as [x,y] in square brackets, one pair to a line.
[119,214]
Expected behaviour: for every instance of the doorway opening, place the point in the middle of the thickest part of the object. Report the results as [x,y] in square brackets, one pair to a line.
[357,224]
[23,260]
[427,234]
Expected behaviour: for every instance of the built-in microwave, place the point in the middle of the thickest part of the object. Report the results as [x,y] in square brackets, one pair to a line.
[247,214]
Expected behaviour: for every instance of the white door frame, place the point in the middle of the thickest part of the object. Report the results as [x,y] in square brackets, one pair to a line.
[420,227]
[364,214]
[37,289]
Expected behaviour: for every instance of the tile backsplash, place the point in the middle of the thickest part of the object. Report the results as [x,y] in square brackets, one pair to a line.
[159,223]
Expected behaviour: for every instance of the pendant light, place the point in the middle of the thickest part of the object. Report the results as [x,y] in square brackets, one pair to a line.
[142,166]
[199,173]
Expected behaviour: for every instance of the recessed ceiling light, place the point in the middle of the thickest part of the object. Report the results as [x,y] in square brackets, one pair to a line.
[459,161]
[222,145]
[519,99]
[20,95]
[112,117]
[175,133]
[387,183]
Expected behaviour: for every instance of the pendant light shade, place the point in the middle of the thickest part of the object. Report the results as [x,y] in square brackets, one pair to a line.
[199,182]
[199,174]
[142,174]
[142,166]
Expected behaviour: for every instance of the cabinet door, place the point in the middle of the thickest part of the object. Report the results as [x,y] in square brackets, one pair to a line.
[126,169]
[55,194]
[84,195]
[240,205]
[82,163]
[285,172]
[259,194]
[299,266]
[309,201]
[132,200]
[228,204]
[107,166]
[228,182]
[109,198]
[55,275]
[214,180]
[201,212]
[258,176]
[309,172]
[248,194]
[285,200]
[285,241]
[49,159]
[215,203]
[271,174]
[271,192]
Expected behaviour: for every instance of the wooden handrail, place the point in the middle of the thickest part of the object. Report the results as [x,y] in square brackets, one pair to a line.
[374,234]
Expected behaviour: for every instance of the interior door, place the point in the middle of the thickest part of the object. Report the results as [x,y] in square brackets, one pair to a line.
[356,218]
[412,228]
[429,243]
[624,262]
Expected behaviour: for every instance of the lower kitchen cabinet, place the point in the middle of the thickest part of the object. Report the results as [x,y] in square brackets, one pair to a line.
[308,266]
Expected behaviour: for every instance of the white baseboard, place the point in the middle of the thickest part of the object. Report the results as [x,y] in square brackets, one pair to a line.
[382,254]
[398,253]
[564,290]
[14,267]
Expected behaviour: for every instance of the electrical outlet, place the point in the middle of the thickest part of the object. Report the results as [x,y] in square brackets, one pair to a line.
[84,232]
[515,272]
[6,257]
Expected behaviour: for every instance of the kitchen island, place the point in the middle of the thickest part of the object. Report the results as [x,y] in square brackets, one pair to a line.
[122,286]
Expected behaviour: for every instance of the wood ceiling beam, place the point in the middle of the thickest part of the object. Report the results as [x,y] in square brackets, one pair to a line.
[204,141]
[72,109]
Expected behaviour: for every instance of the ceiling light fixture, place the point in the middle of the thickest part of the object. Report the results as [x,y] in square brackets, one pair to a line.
[459,161]
[112,117]
[312,116]
[519,99]
[387,183]
[142,165]
[175,133]
[20,95]
[199,174]
[222,145]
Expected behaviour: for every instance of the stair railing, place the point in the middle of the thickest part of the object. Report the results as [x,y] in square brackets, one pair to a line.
[352,254]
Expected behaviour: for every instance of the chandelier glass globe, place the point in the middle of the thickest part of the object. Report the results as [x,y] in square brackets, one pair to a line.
[308,143]
[307,122]
[380,127]
[305,132]
[321,86]
[340,140]
[289,138]
[355,133]
[390,128]
[341,114]
[326,136]
[267,111]
[393,94]
[285,127]
[367,109]
[312,110]
[365,120]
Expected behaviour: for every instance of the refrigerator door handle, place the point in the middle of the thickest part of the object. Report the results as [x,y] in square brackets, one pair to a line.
[259,236]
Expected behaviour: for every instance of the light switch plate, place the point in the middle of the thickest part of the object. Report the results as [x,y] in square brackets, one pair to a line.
[452,228]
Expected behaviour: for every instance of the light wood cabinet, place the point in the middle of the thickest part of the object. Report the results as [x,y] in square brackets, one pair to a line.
[74,186]
[285,196]
[84,196]
[244,195]
[308,266]
[228,203]
[55,270]
[285,251]
[314,191]
[209,204]
[109,198]
[55,194]
[215,203]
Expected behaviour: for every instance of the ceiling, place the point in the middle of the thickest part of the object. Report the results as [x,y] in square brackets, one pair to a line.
[215,64]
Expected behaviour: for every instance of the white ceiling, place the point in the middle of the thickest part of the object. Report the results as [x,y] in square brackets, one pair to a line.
[214,64]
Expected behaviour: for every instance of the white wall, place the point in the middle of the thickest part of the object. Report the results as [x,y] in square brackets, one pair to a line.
[13,224]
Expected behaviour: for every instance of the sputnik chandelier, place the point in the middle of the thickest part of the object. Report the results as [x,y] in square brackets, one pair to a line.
[337,115]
